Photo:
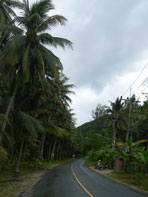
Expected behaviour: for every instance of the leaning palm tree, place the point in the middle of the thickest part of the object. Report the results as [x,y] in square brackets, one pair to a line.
[27,54]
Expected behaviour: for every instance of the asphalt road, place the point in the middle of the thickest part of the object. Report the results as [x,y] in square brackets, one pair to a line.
[68,179]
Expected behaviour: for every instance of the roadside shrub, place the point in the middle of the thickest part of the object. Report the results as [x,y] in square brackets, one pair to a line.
[105,154]
[91,155]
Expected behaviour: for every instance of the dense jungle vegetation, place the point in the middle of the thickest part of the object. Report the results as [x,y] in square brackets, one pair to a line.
[36,120]
[118,131]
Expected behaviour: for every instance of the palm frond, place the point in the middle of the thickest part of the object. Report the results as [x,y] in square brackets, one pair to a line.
[46,38]
[33,21]
[10,28]
[31,124]
[12,54]
[50,22]
[42,7]
[14,3]
[10,12]
[51,61]
[57,131]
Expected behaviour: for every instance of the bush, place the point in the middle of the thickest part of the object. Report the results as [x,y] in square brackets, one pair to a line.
[106,155]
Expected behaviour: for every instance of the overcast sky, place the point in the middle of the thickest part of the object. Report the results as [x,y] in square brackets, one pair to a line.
[110,49]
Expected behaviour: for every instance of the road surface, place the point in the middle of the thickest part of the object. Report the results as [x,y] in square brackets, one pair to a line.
[75,179]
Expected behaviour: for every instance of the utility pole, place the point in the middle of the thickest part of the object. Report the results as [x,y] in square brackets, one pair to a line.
[114,132]
[129,118]
[129,115]
[131,101]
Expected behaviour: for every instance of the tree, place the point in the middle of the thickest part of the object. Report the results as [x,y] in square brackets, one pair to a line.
[116,113]
[27,54]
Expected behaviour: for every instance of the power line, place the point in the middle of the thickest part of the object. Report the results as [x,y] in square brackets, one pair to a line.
[136,78]
[140,85]
[142,90]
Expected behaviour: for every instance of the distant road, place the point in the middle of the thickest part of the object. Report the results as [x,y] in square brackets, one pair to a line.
[75,179]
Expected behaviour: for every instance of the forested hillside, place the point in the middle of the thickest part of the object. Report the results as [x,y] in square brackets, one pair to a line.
[116,123]
[118,138]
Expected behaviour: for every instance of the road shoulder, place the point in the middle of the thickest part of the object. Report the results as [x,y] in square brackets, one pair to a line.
[108,174]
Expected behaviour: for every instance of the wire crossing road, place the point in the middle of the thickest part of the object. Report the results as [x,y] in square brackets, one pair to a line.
[75,179]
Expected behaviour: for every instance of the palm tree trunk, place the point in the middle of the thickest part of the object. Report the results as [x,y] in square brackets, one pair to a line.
[61,151]
[114,133]
[49,150]
[11,157]
[20,155]
[8,110]
[42,145]
[24,152]
[58,150]
[53,149]
[129,121]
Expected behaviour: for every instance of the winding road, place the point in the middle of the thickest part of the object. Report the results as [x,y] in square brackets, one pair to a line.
[75,179]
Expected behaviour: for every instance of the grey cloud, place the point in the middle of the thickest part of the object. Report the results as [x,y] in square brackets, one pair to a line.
[108,45]
[109,38]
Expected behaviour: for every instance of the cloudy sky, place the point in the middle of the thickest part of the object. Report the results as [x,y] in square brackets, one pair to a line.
[110,49]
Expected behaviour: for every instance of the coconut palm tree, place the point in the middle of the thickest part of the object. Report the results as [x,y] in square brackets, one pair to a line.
[27,54]
[116,112]
[57,104]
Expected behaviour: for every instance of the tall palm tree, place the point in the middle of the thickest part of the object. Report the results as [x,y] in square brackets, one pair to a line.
[57,104]
[27,54]
[116,112]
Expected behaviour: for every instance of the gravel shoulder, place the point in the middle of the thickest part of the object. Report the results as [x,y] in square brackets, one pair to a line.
[22,185]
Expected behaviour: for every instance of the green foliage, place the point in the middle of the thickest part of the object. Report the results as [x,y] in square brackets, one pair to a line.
[139,180]
[135,160]
[91,163]
[30,123]
[95,134]
[3,155]
[106,154]
[34,93]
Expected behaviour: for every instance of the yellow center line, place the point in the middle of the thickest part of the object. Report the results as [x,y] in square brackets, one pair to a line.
[80,182]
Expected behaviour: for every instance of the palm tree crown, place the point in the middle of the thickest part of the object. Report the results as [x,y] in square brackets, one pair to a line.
[27,52]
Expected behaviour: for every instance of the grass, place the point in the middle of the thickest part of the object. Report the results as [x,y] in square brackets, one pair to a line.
[8,189]
[91,163]
[138,180]
[27,174]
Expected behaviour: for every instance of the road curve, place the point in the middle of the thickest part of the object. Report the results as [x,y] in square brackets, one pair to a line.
[75,179]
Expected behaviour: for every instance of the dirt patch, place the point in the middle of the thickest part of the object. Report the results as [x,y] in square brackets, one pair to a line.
[22,185]
[103,172]
[28,184]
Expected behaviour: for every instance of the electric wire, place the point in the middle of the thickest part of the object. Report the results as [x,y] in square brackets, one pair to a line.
[142,91]
[140,85]
[136,78]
